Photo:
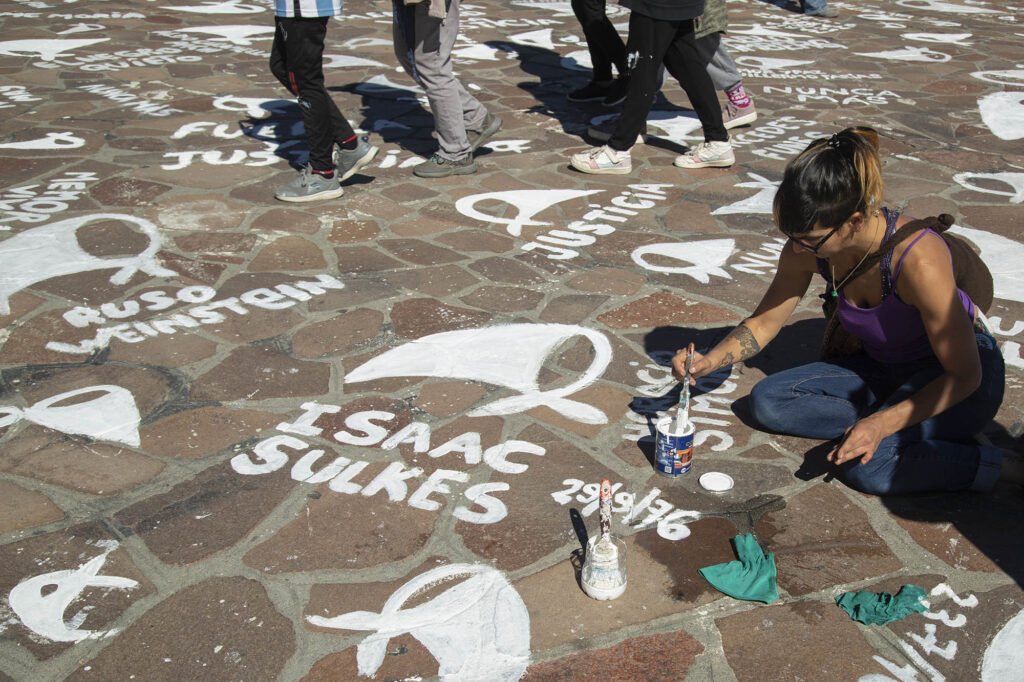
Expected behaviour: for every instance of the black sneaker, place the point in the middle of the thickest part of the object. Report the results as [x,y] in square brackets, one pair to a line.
[616,92]
[439,167]
[491,125]
[591,92]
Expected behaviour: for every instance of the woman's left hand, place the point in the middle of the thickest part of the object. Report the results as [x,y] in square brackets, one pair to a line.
[861,441]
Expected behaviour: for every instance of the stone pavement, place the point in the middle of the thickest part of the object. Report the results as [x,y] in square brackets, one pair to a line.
[244,440]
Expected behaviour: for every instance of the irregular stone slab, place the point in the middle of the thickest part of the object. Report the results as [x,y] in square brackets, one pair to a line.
[261,373]
[95,468]
[652,657]
[204,431]
[477,241]
[68,550]
[226,246]
[364,259]
[448,398]
[165,350]
[775,638]
[662,581]
[288,220]
[349,230]
[416,318]
[503,299]
[205,514]
[535,524]
[338,531]
[288,254]
[506,271]
[149,387]
[222,628]
[407,659]
[611,400]
[822,539]
[571,309]
[663,309]
[127,191]
[439,282]
[339,335]
[959,529]
[419,252]
[26,343]
[21,508]
[409,192]
[612,281]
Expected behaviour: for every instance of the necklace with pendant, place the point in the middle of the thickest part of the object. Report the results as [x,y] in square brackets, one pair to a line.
[837,287]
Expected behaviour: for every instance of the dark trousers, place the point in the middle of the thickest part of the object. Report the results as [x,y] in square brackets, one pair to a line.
[653,42]
[297,60]
[603,41]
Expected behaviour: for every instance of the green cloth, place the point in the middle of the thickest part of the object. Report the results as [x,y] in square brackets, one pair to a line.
[882,608]
[751,578]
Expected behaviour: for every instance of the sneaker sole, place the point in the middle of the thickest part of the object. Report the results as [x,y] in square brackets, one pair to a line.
[705,164]
[465,170]
[360,164]
[486,135]
[596,98]
[744,120]
[319,196]
[601,171]
[613,103]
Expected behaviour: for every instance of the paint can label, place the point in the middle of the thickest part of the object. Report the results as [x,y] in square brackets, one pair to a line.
[673,452]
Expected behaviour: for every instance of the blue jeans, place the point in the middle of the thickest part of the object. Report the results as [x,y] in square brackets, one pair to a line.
[824,399]
[813,6]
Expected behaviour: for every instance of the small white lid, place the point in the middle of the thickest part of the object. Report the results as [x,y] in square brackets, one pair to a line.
[716,481]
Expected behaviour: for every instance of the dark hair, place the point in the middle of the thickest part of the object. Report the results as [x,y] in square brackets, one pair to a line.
[829,181]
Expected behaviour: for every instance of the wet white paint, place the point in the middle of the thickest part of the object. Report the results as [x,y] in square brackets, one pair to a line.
[242,35]
[948,7]
[770,63]
[909,54]
[527,202]
[1009,77]
[346,61]
[254,107]
[52,251]
[760,203]
[1003,257]
[705,258]
[1003,113]
[64,140]
[577,60]
[1014,180]
[959,39]
[41,607]
[477,630]
[1004,657]
[484,355]
[225,7]
[382,86]
[477,52]
[540,38]
[112,416]
[48,49]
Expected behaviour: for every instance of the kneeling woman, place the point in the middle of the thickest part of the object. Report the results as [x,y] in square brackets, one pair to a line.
[927,380]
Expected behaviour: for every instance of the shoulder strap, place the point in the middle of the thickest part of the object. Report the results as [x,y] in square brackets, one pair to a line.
[939,224]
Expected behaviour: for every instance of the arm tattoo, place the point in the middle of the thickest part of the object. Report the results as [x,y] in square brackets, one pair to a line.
[726,361]
[749,346]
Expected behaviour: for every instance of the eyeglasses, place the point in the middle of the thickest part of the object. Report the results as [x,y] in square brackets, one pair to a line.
[813,248]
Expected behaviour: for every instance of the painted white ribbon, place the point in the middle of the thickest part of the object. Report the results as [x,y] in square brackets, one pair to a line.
[51,141]
[112,416]
[476,630]
[527,202]
[507,355]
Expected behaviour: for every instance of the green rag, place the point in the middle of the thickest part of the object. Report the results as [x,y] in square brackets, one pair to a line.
[882,608]
[751,578]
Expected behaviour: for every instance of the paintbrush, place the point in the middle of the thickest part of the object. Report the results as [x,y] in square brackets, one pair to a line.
[683,410]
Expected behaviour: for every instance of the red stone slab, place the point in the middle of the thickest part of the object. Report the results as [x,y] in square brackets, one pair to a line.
[289,254]
[662,581]
[204,431]
[221,628]
[205,514]
[650,658]
[784,640]
[822,539]
[440,281]
[69,550]
[261,373]
[664,309]
[339,335]
[416,318]
[21,509]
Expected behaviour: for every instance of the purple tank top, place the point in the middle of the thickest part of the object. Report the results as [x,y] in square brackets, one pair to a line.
[892,331]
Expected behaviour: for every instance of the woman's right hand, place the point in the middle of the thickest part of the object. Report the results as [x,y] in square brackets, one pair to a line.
[700,367]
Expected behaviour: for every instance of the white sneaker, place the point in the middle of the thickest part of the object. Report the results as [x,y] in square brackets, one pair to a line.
[707,155]
[602,161]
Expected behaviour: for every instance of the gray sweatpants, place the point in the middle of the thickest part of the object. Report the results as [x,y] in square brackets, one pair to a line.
[423,46]
[721,67]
